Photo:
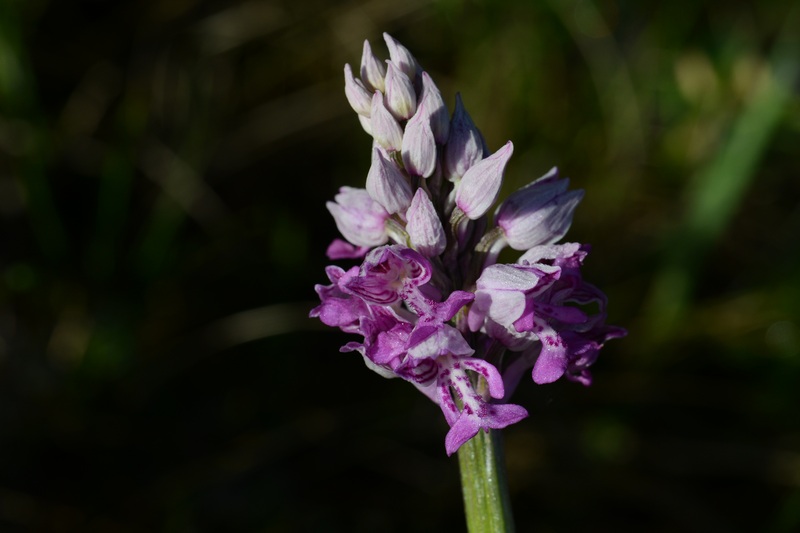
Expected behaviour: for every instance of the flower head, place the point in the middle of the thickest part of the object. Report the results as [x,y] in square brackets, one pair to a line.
[429,301]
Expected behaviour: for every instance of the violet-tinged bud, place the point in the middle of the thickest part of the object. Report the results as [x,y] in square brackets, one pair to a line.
[401,57]
[386,184]
[357,94]
[419,145]
[360,219]
[385,129]
[480,185]
[433,103]
[464,145]
[424,226]
[372,70]
[539,213]
[401,99]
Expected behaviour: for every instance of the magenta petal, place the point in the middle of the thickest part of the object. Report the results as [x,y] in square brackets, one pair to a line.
[493,417]
[340,249]
[464,429]
[551,364]
[390,344]
[448,309]
[438,341]
[506,414]
[388,273]
[493,379]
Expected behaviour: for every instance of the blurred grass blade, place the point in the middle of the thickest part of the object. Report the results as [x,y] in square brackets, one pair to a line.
[719,187]
[18,101]
[114,197]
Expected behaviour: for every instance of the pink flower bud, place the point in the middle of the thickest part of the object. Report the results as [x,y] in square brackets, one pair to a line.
[539,213]
[385,129]
[386,184]
[372,70]
[401,57]
[359,97]
[360,219]
[419,145]
[401,99]
[434,106]
[366,123]
[464,145]
[480,185]
[424,227]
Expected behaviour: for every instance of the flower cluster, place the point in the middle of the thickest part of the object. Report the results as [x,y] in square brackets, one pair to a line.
[430,300]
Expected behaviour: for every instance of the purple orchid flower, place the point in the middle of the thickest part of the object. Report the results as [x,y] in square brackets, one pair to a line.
[429,301]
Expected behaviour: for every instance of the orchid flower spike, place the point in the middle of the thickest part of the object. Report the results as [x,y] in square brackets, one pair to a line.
[429,303]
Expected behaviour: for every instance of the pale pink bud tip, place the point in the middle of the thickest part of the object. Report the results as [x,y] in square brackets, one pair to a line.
[401,57]
[360,219]
[424,227]
[387,185]
[464,145]
[480,185]
[539,213]
[372,70]
[385,129]
[434,106]
[401,99]
[419,145]
[357,94]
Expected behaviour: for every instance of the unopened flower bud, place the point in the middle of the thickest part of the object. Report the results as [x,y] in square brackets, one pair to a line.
[366,123]
[424,226]
[419,145]
[359,97]
[480,185]
[385,129]
[360,219]
[401,99]
[401,57]
[372,70]
[433,103]
[539,213]
[386,184]
[464,145]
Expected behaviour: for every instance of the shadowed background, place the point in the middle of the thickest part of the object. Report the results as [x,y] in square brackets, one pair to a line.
[163,172]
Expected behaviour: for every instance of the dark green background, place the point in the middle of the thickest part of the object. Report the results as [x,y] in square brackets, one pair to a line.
[164,166]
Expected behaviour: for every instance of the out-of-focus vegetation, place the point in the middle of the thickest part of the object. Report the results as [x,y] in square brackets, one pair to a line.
[163,171]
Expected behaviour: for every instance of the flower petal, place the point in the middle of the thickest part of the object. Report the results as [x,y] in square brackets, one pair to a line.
[481,183]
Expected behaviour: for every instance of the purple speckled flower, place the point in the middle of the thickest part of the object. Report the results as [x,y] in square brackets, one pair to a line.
[429,301]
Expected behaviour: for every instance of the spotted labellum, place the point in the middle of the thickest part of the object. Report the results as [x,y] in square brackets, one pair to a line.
[430,303]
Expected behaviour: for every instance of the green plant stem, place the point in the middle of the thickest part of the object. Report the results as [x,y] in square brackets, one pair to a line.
[484,485]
